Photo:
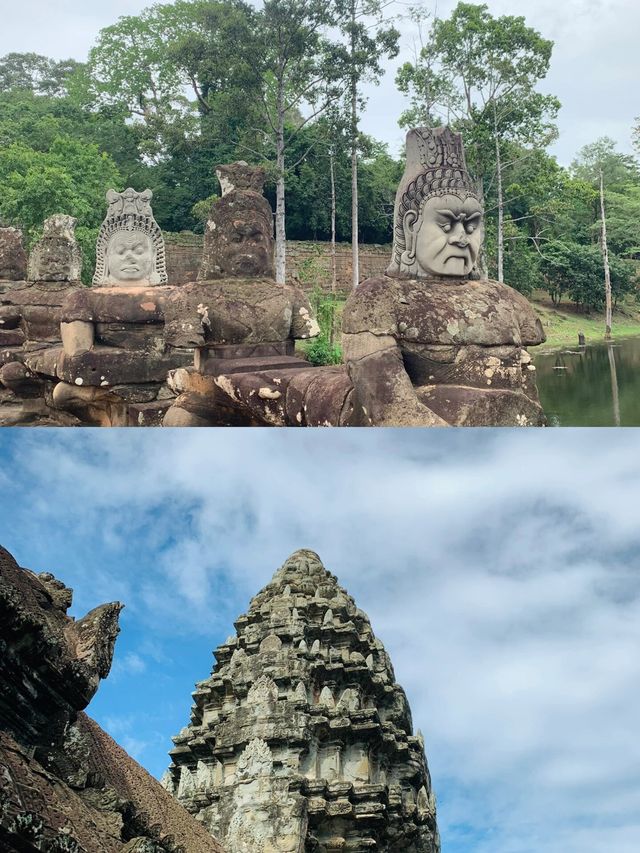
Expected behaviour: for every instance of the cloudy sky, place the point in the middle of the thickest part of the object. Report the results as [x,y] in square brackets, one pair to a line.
[594,71]
[500,569]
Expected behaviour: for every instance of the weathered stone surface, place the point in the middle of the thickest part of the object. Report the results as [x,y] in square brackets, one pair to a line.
[130,246]
[299,396]
[56,256]
[108,366]
[117,304]
[405,338]
[237,311]
[238,237]
[301,740]
[13,258]
[64,783]
[438,218]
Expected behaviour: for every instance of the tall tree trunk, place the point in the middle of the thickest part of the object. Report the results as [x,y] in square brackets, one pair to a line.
[334,274]
[280,207]
[614,386]
[500,211]
[355,258]
[605,260]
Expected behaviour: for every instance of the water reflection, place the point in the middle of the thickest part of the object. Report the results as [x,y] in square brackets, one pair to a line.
[597,385]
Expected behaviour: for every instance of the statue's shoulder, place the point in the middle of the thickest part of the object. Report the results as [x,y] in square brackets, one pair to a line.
[372,304]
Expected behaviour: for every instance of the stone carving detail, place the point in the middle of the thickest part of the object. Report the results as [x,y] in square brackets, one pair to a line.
[65,785]
[272,643]
[263,691]
[304,774]
[238,239]
[130,247]
[438,218]
[256,760]
[424,345]
[56,256]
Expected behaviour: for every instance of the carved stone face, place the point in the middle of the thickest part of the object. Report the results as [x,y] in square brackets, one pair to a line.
[130,257]
[446,238]
[249,244]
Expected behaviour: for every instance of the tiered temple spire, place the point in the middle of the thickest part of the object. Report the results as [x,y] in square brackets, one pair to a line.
[301,740]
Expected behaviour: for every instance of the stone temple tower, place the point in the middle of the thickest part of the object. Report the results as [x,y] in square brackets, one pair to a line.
[301,740]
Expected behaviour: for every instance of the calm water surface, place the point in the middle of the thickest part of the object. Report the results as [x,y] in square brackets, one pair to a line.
[598,385]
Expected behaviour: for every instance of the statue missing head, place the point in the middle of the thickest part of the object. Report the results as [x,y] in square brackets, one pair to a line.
[238,241]
[130,247]
[438,218]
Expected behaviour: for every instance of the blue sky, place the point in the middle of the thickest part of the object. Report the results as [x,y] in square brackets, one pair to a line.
[500,569]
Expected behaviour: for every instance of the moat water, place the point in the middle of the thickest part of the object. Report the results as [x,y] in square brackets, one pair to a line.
[596,385]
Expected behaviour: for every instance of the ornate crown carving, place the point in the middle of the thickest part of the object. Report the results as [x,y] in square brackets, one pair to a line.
[435,165]
[130,211]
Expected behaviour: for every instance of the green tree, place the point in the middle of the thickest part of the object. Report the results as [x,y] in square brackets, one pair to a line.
[369,40]
[71,177]
[298,64]
[479,74]
[31,72]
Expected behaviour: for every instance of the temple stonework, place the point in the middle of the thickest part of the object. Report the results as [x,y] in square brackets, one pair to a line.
[301,739]
[65,785]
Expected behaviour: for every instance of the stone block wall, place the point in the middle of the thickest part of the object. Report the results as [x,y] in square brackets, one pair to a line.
[308,262]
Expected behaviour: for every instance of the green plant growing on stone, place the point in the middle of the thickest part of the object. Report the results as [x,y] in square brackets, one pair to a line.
[323,349]
[314,277]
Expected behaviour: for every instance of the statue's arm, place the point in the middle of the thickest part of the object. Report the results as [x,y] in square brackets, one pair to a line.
[384,395]
[303,322]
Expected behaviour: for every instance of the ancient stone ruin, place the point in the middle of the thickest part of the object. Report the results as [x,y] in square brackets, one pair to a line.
[56,256]
[301,739]
[30,313]
[431,343]
[244,325]
[65,785]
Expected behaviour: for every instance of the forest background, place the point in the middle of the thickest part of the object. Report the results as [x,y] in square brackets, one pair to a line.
[166,95]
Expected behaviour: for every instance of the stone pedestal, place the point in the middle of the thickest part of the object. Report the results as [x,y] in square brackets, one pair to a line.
[245,370]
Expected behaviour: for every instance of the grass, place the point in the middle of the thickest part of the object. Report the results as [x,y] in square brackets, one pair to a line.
[563,322]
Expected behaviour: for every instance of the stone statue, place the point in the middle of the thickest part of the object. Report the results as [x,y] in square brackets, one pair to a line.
[130,247]
[438,218]
[57,255]
[238,239]
[429,344]
[13,258]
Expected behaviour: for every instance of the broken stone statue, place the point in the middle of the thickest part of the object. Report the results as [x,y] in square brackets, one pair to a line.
[115,358]
[431,343]
[244,324]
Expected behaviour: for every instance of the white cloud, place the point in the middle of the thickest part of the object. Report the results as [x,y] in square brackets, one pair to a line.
[499,568]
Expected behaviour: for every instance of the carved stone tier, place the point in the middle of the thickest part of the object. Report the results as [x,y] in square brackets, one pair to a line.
[30,315]
[301,740]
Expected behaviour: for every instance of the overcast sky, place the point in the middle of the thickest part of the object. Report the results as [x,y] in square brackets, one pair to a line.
[594,70]
[500,569]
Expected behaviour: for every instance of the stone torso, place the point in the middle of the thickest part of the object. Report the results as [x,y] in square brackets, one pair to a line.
[452,333]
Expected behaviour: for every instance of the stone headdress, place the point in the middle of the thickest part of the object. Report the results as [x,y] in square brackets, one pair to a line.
[128,212]
[435,166]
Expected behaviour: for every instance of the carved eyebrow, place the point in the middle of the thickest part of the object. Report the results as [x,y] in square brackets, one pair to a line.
[449,214]
[473,216]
